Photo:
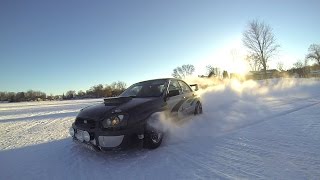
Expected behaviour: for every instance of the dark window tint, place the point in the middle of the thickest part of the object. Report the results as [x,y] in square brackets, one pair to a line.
[174,85]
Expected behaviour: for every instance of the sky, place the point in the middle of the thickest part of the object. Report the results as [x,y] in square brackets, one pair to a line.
[56,46]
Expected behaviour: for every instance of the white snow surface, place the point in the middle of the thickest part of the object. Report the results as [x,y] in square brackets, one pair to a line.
[249,130]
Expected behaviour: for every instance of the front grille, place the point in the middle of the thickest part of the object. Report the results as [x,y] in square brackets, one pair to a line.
[112,128]
[85,123]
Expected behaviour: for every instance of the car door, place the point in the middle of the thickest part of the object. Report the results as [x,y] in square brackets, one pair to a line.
[174,102]
[188,105]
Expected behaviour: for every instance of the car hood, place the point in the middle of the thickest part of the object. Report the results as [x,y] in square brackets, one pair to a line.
[125,104]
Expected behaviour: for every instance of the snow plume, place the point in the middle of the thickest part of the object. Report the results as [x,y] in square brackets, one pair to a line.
[231,104]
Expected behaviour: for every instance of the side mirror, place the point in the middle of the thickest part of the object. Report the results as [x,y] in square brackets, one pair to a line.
[173,93]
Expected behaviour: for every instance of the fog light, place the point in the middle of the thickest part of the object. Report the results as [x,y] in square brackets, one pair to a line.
[71,131]
[86,136]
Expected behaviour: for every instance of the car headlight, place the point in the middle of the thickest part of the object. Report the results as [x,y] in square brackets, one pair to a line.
[86,136]
[114,121]
[71,131]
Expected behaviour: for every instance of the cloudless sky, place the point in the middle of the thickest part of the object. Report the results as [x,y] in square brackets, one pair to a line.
[60,45]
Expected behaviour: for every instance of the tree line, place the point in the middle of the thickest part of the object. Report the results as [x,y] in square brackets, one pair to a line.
[185,70]
[97,91]
[30,95]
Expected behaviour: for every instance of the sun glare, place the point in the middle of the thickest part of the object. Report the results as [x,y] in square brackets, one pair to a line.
[231,58]
[239,67]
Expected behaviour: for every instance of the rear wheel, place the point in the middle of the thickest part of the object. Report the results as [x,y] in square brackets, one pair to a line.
[198,108]
[152,139]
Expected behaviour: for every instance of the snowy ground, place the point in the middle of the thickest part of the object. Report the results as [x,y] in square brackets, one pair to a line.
[248,130]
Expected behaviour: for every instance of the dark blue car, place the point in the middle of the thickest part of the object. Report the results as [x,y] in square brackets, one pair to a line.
[123,120]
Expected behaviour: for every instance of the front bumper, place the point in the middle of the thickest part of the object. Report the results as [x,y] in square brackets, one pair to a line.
[108,140]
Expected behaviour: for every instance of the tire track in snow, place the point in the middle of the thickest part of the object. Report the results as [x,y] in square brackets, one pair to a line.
[33,132]
[185,156]
[274,116]
[38,115]
[221,157]
[38,105]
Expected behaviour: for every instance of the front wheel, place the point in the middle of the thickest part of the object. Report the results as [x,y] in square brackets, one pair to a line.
[152,139]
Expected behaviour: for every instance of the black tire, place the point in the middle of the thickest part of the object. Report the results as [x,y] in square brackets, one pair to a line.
[198,108]
[152,139]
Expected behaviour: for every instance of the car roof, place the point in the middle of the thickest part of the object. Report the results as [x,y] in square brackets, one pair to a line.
[159,79]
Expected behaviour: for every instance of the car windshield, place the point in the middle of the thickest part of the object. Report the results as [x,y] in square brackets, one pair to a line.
[152,88]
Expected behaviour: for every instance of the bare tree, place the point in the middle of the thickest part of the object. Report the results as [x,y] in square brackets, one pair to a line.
[213,72]
[97,90]
[225,75]
[314,53]
[183,71]
[261,42]
[210,71]
[117,87]
[300,68]
[253,62]
[121,85]
[234,53]
[306,61]
[298,64]
[70,94]
[81,93]
[280,66]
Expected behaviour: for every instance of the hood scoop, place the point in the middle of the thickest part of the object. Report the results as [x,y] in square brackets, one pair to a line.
[114,101]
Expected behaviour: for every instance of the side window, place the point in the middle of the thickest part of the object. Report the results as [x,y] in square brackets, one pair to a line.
[174,85]
[185,87]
